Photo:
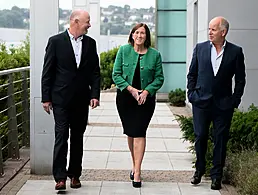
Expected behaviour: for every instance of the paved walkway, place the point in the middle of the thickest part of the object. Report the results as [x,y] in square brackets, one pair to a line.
[167,165]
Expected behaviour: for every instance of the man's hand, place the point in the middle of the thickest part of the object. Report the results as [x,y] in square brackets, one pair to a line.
[134,92]
[94,103]
[142,97]
[47,106]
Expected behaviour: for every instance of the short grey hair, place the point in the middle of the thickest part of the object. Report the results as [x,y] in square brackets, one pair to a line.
[224,24]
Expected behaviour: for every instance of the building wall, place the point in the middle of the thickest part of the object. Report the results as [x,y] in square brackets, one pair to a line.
[243,32]
[171,42]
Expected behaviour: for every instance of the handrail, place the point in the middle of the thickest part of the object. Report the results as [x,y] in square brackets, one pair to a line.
[14,70]
[14,113]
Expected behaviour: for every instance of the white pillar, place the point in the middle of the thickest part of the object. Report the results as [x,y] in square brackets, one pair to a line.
[93,7]
[43,24]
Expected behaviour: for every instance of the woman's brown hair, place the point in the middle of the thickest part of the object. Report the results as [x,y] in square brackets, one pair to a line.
[147,42]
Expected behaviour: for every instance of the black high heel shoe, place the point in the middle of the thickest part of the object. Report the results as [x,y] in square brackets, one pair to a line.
[137,184]
[131,175]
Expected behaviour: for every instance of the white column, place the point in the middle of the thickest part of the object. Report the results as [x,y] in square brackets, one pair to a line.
[93,7]
[43,24]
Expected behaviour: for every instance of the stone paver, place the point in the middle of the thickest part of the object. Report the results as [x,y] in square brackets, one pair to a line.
[39,187]
[166,169]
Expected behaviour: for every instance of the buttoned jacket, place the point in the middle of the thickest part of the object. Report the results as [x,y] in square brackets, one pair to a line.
[151,71]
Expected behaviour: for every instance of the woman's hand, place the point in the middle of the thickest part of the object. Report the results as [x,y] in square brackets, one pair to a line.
[134,92]
[142,97]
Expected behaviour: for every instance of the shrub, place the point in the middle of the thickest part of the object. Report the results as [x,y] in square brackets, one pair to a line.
[153,40]
[242,171]
[107,60]
[187,128]
[244,130]
[177,97]
[15,57]
[243,133]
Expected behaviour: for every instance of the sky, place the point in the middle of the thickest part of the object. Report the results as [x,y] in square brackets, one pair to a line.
[67,4]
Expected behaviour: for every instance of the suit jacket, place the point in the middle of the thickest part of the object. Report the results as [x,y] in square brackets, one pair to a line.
[62,82]
[204,88]
[151,71]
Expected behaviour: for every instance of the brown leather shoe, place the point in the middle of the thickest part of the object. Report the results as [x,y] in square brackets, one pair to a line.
[75,183]
[60,185]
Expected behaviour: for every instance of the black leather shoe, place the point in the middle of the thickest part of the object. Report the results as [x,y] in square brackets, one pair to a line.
[216,184]
[131,175]
[197,178]
[137,184]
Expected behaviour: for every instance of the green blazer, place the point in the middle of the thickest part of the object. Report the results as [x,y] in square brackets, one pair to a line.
[151,71]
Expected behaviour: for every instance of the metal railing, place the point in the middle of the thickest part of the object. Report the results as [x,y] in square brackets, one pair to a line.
[14,113]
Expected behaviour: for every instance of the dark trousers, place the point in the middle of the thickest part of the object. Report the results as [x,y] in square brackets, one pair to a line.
[74,118]
[221,120]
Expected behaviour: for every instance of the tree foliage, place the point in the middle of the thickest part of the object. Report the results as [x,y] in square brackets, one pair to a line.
[14,18]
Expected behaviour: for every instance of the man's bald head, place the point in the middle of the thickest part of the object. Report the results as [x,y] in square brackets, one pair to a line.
[218,29]
[79,22]
[78,15]
[222,22]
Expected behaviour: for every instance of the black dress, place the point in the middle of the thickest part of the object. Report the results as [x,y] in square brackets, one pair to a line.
[135,118]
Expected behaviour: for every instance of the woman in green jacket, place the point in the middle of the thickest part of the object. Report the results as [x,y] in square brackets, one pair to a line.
[138,74]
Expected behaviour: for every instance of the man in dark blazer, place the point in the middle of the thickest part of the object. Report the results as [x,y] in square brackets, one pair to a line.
[213,66]
[70,83]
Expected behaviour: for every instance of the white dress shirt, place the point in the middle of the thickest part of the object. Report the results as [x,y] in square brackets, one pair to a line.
[77,47]
[216,58]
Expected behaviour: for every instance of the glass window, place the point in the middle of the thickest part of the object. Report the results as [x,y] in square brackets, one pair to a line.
[172,49]
[171,4]
[172,23]
[174,77]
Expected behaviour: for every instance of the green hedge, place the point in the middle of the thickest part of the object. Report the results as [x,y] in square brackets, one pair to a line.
[243,139]
[15,57]
[177,97]
[107,60]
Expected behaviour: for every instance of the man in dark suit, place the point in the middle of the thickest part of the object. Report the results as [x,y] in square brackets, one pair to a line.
[70,83]
[213,66]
